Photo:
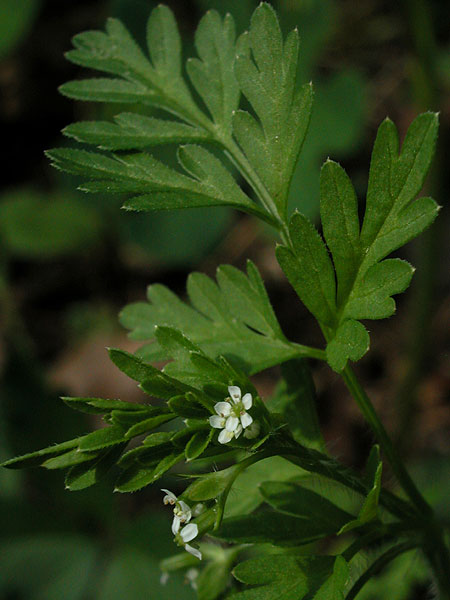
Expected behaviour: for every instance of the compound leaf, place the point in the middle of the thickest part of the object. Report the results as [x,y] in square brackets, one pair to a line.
[392,217]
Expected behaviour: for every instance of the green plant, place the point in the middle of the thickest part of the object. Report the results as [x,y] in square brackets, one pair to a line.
[229,331]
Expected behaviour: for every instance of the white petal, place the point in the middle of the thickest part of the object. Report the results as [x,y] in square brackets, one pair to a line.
[225,436]
[246,420]
[176,524]
[223,409]
[169,498]
[186,513]
[164,578]
[189,532]
[193,551]
[247,401]
[238,431]
[235,393]
[217,422]
[232,423]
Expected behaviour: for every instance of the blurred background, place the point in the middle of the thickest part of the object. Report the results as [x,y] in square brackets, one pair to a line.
[69,262]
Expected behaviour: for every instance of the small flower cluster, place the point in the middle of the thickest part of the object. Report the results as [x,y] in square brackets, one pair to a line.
[232,416]
[182,514]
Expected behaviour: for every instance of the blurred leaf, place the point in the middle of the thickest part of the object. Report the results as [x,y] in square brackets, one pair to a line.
[134,575]
[47,567]
[287,577]
[245,495]
[295,500]
[399,579]
[17,17]
[172,237]
[275,528]
[337,123]
[35,226]
[369,509]
[213,580]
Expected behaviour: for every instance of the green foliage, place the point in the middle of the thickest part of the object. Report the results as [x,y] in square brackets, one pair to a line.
[35,226]
[295,399]
[361,284]
[266,68]
[286,577]
[17,18]
[227,330]
[232,318]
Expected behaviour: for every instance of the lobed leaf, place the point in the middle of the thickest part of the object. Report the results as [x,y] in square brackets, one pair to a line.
[132,131]
[339,217]
[392,217]
[309,269]
[224,319]
[351,341]
[266,69]
[212,74]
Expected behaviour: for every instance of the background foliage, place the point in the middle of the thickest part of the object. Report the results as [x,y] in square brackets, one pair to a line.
[69,262]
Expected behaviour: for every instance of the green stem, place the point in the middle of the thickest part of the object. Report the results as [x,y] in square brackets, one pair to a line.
[239,160]
[377,426]
[379,564]
[239,467]
[309,351]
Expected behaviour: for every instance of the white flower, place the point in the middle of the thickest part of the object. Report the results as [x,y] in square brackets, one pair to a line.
[169,498]
[187,534]
[182,514]
[164,578]
[181,511]
[232,416]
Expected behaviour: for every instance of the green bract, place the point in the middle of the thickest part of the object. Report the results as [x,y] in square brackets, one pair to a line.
[238,124]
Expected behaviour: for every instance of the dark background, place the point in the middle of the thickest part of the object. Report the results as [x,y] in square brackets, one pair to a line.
[69,262]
